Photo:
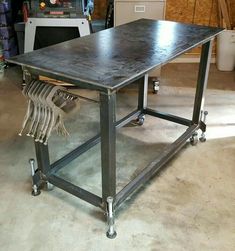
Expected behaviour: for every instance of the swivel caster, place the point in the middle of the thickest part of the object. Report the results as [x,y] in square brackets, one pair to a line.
[140,120]
[194,139]
[156,86]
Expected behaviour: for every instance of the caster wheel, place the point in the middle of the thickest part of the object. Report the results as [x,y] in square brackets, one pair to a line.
[140,120]
[156,86]
[194,139]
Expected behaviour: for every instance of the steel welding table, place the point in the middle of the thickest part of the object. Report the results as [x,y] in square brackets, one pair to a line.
[107,61]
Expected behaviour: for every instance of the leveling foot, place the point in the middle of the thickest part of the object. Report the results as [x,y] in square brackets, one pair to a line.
[111,233]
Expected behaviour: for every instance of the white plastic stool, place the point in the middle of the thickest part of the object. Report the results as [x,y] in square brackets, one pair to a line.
[226,51]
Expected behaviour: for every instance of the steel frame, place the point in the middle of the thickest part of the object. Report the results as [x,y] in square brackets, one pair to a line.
[107,137]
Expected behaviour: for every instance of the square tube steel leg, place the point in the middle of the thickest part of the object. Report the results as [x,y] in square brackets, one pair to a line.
[108,157]
[108,144]
[143,92]
[202,81]
[142,98]
[42,155]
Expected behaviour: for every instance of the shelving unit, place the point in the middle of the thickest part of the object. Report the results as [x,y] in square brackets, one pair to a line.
[6,30]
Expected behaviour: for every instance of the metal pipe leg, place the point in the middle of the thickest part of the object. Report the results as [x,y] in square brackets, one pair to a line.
[111,233]
[142,100]
[203,74]
[203,135]
[35,189]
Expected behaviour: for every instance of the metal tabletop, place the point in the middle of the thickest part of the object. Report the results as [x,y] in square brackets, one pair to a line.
[115,57]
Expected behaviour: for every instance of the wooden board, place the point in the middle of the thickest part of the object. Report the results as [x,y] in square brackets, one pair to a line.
[188,11]
[193,11]
[233,12]
[225,13]
[100,9]
[54,81]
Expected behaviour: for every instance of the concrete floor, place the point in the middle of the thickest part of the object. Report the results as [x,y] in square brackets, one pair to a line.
[188,206]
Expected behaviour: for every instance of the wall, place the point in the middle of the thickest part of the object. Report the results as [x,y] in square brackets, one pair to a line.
[189,11]
[203,12]
[233,11]
[192,11]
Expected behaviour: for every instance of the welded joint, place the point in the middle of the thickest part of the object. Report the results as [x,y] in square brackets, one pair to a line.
[108,92]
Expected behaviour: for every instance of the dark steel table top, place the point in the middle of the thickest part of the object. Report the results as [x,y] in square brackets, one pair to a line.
[115,57]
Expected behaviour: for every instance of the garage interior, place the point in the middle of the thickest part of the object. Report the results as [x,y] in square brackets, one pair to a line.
[188,205]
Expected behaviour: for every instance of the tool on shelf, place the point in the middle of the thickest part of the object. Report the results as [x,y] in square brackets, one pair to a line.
[60,8]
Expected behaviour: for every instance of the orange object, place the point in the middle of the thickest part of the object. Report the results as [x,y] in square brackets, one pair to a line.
[42,5]
[56,13]
[25,11]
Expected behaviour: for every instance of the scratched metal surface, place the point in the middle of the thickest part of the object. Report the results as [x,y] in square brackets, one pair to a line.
[112,58]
